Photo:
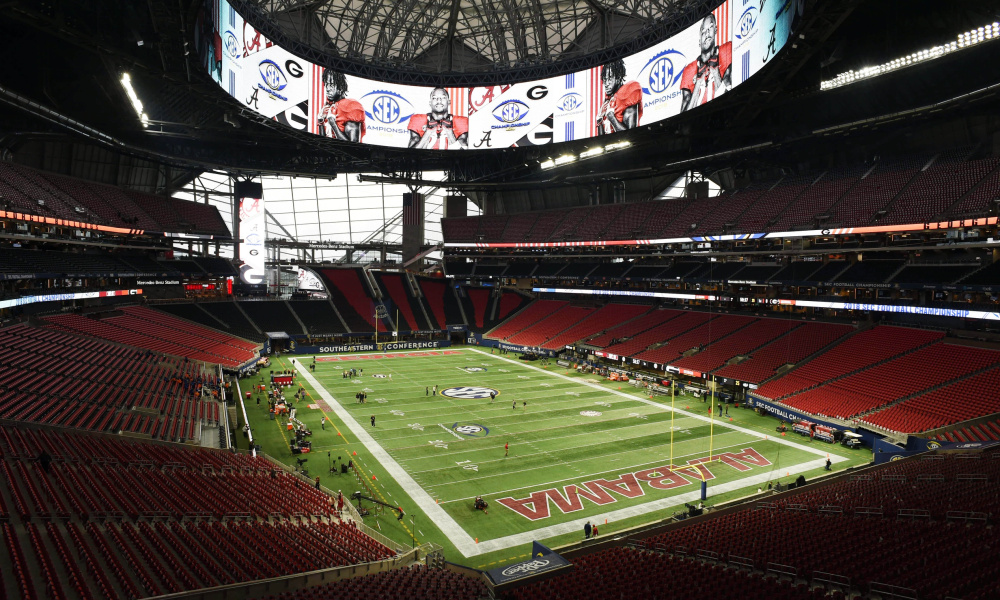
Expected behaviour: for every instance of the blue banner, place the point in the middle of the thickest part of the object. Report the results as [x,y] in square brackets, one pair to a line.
[296,348]
[787,414]
[542,561]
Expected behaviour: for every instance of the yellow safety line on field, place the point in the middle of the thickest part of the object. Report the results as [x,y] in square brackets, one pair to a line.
[356,465]
[337,429]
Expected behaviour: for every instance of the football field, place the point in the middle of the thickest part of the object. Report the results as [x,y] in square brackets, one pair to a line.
[580,448]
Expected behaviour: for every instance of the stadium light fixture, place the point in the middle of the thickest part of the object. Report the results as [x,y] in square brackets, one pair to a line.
[564,159]
[592,152]
[548,164]
[617,146]
[134,98]
[964,40]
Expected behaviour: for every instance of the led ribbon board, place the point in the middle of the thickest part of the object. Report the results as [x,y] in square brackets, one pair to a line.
[704,61]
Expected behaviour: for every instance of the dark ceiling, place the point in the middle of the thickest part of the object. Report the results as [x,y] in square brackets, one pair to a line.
[60,92]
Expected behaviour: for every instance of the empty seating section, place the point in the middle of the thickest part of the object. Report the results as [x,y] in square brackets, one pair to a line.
[460,229]
[351,297]
[215,265]
[50,377]
[829,271]
[754,335]
[563,231]
[876,190]
[732,206]
[545,223]
[528,317]
[801,342]
[161,332]
[797,271]
[518,228]
[53,195]
[509,303]
[479,302]
[718,271]
[715,328]
[932,274]
[598,219]
[440,298]
[898,378]
[109,202]
[685,321]
[36,195]
[556,321]
[979,200]
[895,191]
[231,315]
[953,403]
[817,199]
[870,271]
[856,352]
[662,216]
[687,221]
[787,539]
[629,573]
[771,203]
[631,221]
[131,519]
[87,263]
[491,228]
[410,313]
[272,315]
[644,271]
[757,272]
[598,320]
[988,431]
[647,320]
[612,270]
[318,316]
[415,581]
[935,189]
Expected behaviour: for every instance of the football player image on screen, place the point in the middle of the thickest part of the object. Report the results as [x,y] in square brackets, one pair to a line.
[622,107]
[439,129]
[341,118]
[710,74]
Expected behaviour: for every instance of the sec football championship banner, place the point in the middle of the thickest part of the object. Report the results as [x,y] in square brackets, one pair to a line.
[700,63]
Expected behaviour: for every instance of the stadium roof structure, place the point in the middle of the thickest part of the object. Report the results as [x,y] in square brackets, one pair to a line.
[477,36]
[61,102]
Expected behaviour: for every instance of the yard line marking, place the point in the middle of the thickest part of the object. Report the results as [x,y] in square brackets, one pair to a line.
[456,535]
[718,422]
[630,468]
[443,426]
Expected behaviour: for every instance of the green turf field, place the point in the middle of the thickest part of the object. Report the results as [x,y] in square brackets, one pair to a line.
[581,449]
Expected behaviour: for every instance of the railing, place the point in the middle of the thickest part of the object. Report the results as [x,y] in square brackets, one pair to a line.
[962,515]
[892,591]
[277,585]
[832,579]
[869,511]
[782,570]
